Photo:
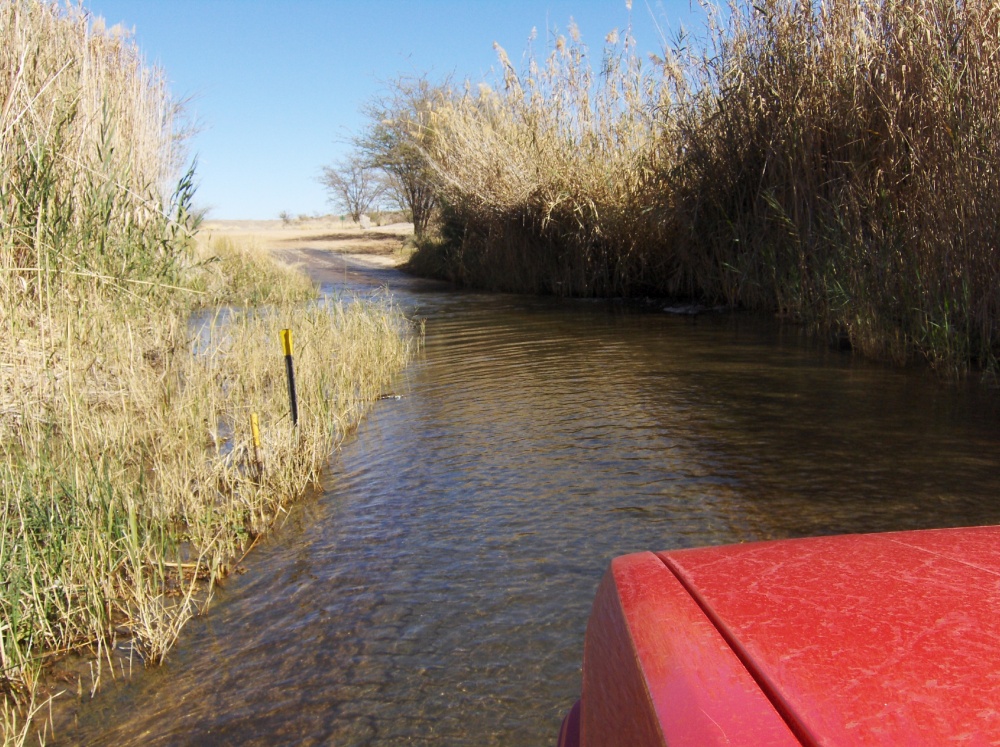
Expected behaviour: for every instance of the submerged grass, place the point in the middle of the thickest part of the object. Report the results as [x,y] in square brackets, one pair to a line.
[128,480]
[835,162]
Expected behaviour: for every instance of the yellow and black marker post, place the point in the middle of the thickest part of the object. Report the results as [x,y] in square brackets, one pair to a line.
[286,343]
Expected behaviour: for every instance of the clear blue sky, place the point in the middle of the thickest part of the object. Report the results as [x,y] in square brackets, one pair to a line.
[277,85]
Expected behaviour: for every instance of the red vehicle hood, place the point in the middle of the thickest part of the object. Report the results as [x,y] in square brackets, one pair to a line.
[863,639]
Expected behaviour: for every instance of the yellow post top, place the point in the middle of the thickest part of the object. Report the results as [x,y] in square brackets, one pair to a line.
[255,429]
[286,341]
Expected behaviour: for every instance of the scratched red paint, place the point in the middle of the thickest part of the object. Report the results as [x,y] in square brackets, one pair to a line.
[857,639]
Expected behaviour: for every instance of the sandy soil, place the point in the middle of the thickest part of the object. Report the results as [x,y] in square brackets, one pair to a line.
[378,246]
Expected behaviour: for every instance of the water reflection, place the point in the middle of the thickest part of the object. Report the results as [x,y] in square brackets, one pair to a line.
[436,591]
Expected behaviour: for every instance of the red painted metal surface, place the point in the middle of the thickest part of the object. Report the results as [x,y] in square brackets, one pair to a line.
[569,734]
[656,670]
[863,639]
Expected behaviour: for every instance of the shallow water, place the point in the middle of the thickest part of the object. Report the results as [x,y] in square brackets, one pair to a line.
[436,590]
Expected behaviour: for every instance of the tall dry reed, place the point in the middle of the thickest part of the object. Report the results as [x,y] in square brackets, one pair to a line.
[128,481]
[544,180]
[846,169]
[89,147]
[835,162]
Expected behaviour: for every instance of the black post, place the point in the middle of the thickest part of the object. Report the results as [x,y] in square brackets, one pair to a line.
[286,343]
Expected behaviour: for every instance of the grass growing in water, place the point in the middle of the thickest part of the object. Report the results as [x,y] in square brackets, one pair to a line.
[833,162]
[127,465]
[126,470]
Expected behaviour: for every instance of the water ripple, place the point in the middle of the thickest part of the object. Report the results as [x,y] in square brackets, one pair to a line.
[437,591]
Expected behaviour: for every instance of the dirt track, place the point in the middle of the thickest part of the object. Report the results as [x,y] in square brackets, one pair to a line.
[333,253]
[310,241]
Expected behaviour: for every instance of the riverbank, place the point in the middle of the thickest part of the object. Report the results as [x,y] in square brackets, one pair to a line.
[835,166]
[130,483]
[145,434]
[135,356]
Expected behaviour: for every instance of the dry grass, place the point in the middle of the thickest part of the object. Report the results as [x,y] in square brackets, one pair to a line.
[240,271]
[835,162]
[544,181]
[388,240]
[128,481]
[861,190]
[127,455]
[89,146]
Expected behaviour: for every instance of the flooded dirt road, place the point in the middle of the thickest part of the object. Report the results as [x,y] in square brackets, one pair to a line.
[436,590]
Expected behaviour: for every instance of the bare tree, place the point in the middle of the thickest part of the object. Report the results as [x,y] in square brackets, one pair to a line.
[397,139]
[354,185]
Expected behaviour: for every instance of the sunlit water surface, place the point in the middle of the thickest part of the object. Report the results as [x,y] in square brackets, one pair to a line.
[436,591]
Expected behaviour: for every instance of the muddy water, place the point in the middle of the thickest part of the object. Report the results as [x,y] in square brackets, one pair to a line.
[435,592]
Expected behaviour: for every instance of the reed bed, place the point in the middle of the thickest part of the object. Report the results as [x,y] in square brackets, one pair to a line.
[862,189]
[832,162]
[90,143]
[128,472]
[131,358]
[544,179]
